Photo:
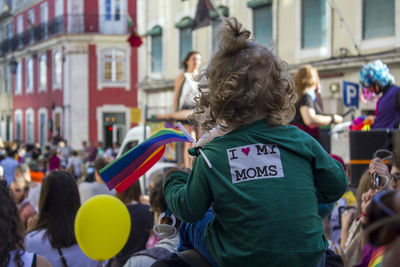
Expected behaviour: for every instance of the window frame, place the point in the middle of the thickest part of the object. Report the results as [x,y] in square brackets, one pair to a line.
[8,79]
[181,53]
[57,84]
[126,84]
[156,31]
[29,76]
[379,42]
[45,112]
[58,8]
[18,113]
[42,88]
[114,62]
[224,11]
[28,112]
[315,52]
[18,78]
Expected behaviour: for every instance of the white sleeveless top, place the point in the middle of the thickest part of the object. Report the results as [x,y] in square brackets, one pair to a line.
[27,259]
[188,92]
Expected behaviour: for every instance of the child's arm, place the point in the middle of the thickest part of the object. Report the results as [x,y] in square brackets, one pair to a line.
[188,196]
[330,178]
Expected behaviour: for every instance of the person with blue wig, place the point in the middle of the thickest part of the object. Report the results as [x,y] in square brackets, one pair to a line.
[375,77]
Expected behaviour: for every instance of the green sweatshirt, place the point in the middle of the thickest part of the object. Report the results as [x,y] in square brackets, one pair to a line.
[264,187]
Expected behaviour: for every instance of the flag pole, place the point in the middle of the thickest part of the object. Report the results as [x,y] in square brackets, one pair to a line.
[191,139]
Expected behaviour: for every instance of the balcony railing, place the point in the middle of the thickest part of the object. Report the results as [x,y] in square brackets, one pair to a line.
[66,24]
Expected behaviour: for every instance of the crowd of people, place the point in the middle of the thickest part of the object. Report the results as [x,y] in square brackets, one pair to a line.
[272,197]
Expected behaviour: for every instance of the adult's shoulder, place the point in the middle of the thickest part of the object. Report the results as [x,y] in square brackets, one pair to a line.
[34,239]
[180,76]
[306,100]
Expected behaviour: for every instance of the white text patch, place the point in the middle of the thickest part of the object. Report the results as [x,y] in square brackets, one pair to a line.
[256,161]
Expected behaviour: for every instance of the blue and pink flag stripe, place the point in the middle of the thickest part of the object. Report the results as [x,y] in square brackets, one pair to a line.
[120,169]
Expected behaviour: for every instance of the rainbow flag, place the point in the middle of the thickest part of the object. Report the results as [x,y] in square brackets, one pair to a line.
[376,257]
[127,169]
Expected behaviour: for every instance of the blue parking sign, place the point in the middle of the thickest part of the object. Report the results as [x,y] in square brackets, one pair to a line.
[351,94]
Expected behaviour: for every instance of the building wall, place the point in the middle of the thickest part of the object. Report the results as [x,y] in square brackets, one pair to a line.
[83,97]
[340,59]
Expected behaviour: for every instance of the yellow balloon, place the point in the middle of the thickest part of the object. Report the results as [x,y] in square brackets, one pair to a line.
[102,227]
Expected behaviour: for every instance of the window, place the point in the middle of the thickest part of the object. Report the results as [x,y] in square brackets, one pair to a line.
[216,21]
[29,75]
[113,65]
[57,69]
[43,72]
[20,29]
[156,49]
[378,18]
[185,36]
[29,126]
[185,42]
[18,125]
[8,79]
[113,9]
[42,126]
[8,128]
[18,79]
[31,24]
[313,23]
[58,8]
[57,120]
[9,30]
[20,24]
[44,17]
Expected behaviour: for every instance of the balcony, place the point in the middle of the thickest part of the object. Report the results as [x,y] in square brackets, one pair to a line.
[66,24]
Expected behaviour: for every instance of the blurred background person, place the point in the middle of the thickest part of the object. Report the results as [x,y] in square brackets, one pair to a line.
[26,210]
[185,91]
[88,189]
[54,161]
[75,165]
[309,115]
[375,77]
[141,222]
[168,243]
[9,164]
[12,252]
[350,241]
[52,233]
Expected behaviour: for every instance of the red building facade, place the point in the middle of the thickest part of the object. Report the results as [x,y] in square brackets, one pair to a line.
[74,74]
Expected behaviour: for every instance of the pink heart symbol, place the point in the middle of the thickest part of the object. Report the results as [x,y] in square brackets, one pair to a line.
[246,150]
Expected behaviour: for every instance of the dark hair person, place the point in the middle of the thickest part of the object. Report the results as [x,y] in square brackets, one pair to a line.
[53,233]
[185,92]
[141,222]
[11,236]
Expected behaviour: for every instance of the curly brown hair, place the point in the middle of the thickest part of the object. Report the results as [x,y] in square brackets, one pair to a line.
[10,228]
[245,81]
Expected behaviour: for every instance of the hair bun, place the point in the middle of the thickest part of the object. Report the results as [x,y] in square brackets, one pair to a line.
[232,36]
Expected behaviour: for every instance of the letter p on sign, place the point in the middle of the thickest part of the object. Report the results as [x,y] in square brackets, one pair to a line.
[350,94]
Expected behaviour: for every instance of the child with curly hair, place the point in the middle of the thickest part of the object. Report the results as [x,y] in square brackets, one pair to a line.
[266,177]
